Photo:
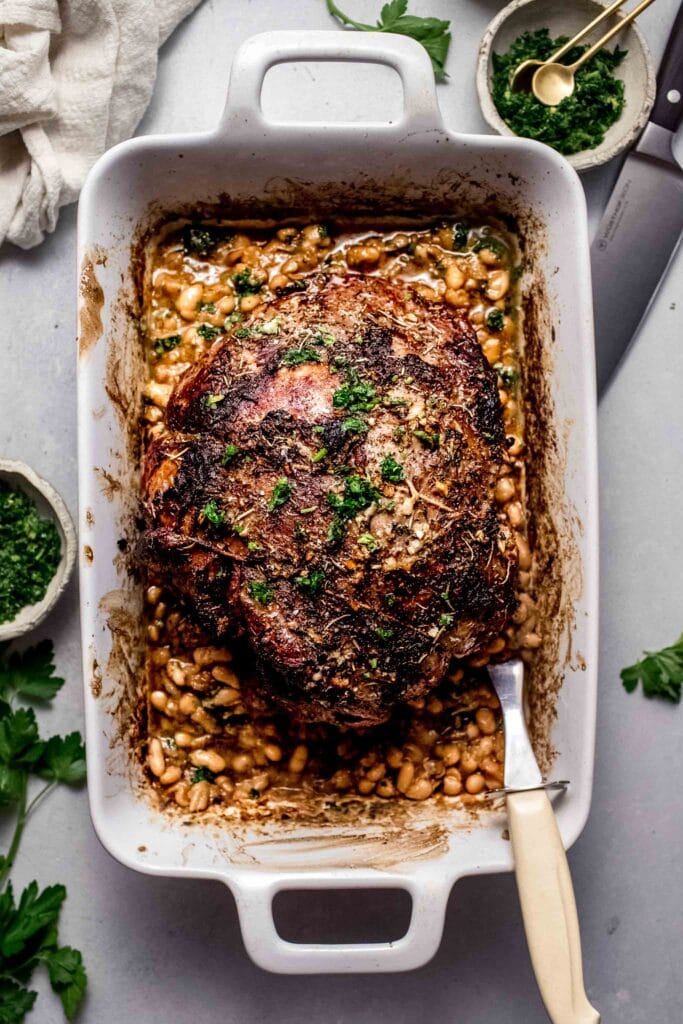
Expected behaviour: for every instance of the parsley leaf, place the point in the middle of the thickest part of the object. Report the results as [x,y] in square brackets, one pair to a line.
[36,910]
[208,332]
[211,401]
[661,673]
[63,759]
[200,239]
[312,582]
[212,513]
[245,284]
[354,425]
[391,470]
[297,356]
[230,452]
[431,32]
[68,978]
[356,395]
[261,592]
[31,673]
[428,439]
[280,494]
[162,345]
[20,744]
[368,541]
[15,1002]
[494,320]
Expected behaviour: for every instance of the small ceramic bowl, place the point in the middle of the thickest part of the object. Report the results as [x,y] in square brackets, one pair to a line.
[50,506]
[566,18]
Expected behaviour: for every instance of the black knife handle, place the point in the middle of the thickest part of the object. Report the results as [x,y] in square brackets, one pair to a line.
[667,111]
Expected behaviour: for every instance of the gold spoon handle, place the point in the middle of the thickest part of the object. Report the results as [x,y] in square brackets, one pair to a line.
[584,31]
[612,32]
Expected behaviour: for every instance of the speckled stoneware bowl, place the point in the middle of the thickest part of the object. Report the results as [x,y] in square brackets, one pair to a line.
[566,18]
[19,476]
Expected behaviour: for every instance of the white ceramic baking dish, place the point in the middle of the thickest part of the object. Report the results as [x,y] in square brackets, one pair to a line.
[253,169]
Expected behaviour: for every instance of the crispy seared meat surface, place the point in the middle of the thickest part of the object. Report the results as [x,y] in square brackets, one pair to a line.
[326,492]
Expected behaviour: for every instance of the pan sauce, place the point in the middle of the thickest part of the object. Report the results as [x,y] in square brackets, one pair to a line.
[204,746]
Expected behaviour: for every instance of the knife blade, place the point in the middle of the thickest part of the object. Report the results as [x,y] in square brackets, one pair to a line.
[642,224]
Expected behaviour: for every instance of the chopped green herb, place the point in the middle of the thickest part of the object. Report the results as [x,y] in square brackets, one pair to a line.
[661,673]
[201,775]
[233,318]
[297,356]
[358,495]
[508,375]
[212,512]
[243,332]
[162,345]
[312,582]
[261,592]
[354,425]
[384,633]
[324,337]
[319,455]
[355,395]
[430,440]
[212,401]
[578,122]
[230,452]
[252,545]
[368,541]
[459,236]
[200,239]
[245,284]
[30,551]
[446,619]
[390,600]
[491,243]
[208,332]
[280,494]
[391,401]
[494,320]
[372,662]
[269,326]
[391,470]
[207,307]
[432,33]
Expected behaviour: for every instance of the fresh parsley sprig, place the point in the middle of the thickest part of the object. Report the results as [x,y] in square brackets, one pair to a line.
[433,33]
[28,926]
[661,673]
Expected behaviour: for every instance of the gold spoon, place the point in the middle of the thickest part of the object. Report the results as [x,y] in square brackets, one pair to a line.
[524,72]
[554,82]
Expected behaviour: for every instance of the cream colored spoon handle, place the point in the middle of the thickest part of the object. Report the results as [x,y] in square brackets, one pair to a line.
[546,896]
[584,31]
[591,51]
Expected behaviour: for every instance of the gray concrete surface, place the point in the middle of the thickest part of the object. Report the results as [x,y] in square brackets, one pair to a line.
[165,950]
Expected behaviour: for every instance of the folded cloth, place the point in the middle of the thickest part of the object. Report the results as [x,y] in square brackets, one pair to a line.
[75,77]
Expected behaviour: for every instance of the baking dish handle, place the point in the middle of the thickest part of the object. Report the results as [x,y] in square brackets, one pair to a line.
[262,52]
[269,950]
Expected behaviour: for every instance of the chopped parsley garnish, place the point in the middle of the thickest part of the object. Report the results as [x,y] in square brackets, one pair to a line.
[432,33]
[212,401]
[391,470]
[268,326]
[355,395]
[261,592]
[384,633]
[358,495]
[446,619]
[578,122]
[233,318]
[162,345]
[245,284]
[201,775]
[312,582]
[324,337]
[280,494]
[354,425]
[319,455]
[253,545]
[229,453]
[389,400]
[390,600]
[508,375]
[30,552]
[430,440]
[494,320]
[661,673]
[208,332]
[207,307]
[491,243]
[200,240]
[297,356]
[212,512]
[368,541]
[459,236]
[243,332]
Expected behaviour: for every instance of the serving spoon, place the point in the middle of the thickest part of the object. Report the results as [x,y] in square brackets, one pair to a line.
[523,74]
[544,883]
[554,82]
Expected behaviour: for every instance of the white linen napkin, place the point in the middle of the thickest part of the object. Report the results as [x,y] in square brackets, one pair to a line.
[75,77]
